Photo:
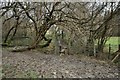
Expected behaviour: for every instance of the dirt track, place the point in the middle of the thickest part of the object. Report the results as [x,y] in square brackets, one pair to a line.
[37,64]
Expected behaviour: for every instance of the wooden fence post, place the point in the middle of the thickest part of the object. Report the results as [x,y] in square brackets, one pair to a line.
[109,55]
[119,47]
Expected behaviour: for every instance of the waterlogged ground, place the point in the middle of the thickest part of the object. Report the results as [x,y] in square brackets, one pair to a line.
[36,64]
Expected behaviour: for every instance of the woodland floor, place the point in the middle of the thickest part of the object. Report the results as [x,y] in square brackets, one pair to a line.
[36,64]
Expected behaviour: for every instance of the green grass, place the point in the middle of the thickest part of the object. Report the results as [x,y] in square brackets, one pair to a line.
[114,42]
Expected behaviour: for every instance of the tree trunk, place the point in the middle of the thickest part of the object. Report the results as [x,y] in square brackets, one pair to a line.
[15,26]
[57,48]
[38,38]
[8,34]
[14,33]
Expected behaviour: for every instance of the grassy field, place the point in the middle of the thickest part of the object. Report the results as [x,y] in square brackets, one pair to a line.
[114,42]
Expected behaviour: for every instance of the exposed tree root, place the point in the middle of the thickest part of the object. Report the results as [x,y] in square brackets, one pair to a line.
[32,47]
